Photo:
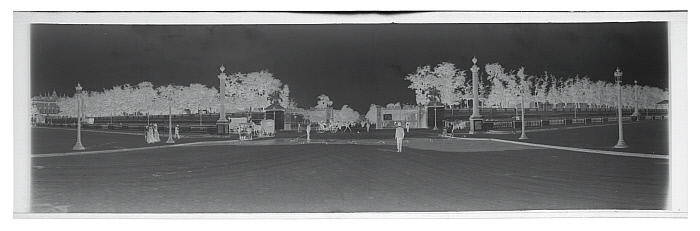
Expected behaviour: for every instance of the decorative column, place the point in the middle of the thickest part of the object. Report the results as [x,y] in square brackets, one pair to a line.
[636,109]
[380,118]
[475,120]
[222,123]
[79,93]
[170,121]
[618,79]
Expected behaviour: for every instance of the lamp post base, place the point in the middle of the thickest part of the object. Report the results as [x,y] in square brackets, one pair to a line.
[170,140]
[523,137]
[621,144]
[78,146]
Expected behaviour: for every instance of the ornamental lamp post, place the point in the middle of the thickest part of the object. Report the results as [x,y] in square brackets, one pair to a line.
[435,118]
[618,79]
[170,118]
[522,114]
[636,108]
[79,93]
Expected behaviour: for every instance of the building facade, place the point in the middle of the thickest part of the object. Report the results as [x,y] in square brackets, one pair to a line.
[43,106]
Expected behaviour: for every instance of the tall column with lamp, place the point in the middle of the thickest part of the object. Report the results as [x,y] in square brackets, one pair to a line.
[618,79]
[170,116]
[475,120]
[522,120]
[79,94]
[636,104]
[222,123]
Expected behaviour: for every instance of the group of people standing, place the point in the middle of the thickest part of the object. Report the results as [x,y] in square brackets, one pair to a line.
[398,135]
[152,135]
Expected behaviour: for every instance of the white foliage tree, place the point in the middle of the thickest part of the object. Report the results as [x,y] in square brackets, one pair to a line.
[371,115]
[68,106]
[252,90]
[523,86]
[284,99]
[345,114]
[494,75]
[323,102]
[444,83]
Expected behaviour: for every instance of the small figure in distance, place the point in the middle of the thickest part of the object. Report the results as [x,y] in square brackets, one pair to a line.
[399,137]
[308,133]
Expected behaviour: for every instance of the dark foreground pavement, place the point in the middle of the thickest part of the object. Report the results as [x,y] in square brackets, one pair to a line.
[430,175]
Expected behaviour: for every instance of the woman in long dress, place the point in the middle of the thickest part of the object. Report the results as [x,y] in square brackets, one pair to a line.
[156,135]
[146,135]
[149,135]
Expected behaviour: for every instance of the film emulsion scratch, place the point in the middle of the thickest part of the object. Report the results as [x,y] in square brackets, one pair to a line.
[347,118]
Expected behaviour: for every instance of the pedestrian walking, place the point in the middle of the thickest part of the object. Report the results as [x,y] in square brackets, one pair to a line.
[368,126]
[308,133]
[177,131]
[399,137]
[408,128]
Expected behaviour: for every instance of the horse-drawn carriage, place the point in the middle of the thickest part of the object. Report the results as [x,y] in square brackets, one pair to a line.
[330,127]
[245,131]
[267,128]
[333,127]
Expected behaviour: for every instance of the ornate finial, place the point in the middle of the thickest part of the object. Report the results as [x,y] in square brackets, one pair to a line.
[222,68]
[78,88]
[474,68]
[635,82]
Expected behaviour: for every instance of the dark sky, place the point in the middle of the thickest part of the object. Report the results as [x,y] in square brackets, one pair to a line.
[354,64]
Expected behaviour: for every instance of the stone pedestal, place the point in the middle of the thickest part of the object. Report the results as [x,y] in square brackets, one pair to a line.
[476,125]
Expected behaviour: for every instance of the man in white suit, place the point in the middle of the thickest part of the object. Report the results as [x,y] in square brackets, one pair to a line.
[399,137]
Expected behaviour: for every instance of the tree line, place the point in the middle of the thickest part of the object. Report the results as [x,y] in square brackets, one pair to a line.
[244,92]
[251,91]
[499,87]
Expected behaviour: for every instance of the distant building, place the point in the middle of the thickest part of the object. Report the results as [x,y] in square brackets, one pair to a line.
[662,105]
[44,105]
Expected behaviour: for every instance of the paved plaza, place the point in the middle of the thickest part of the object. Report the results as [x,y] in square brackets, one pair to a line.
[351,172]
